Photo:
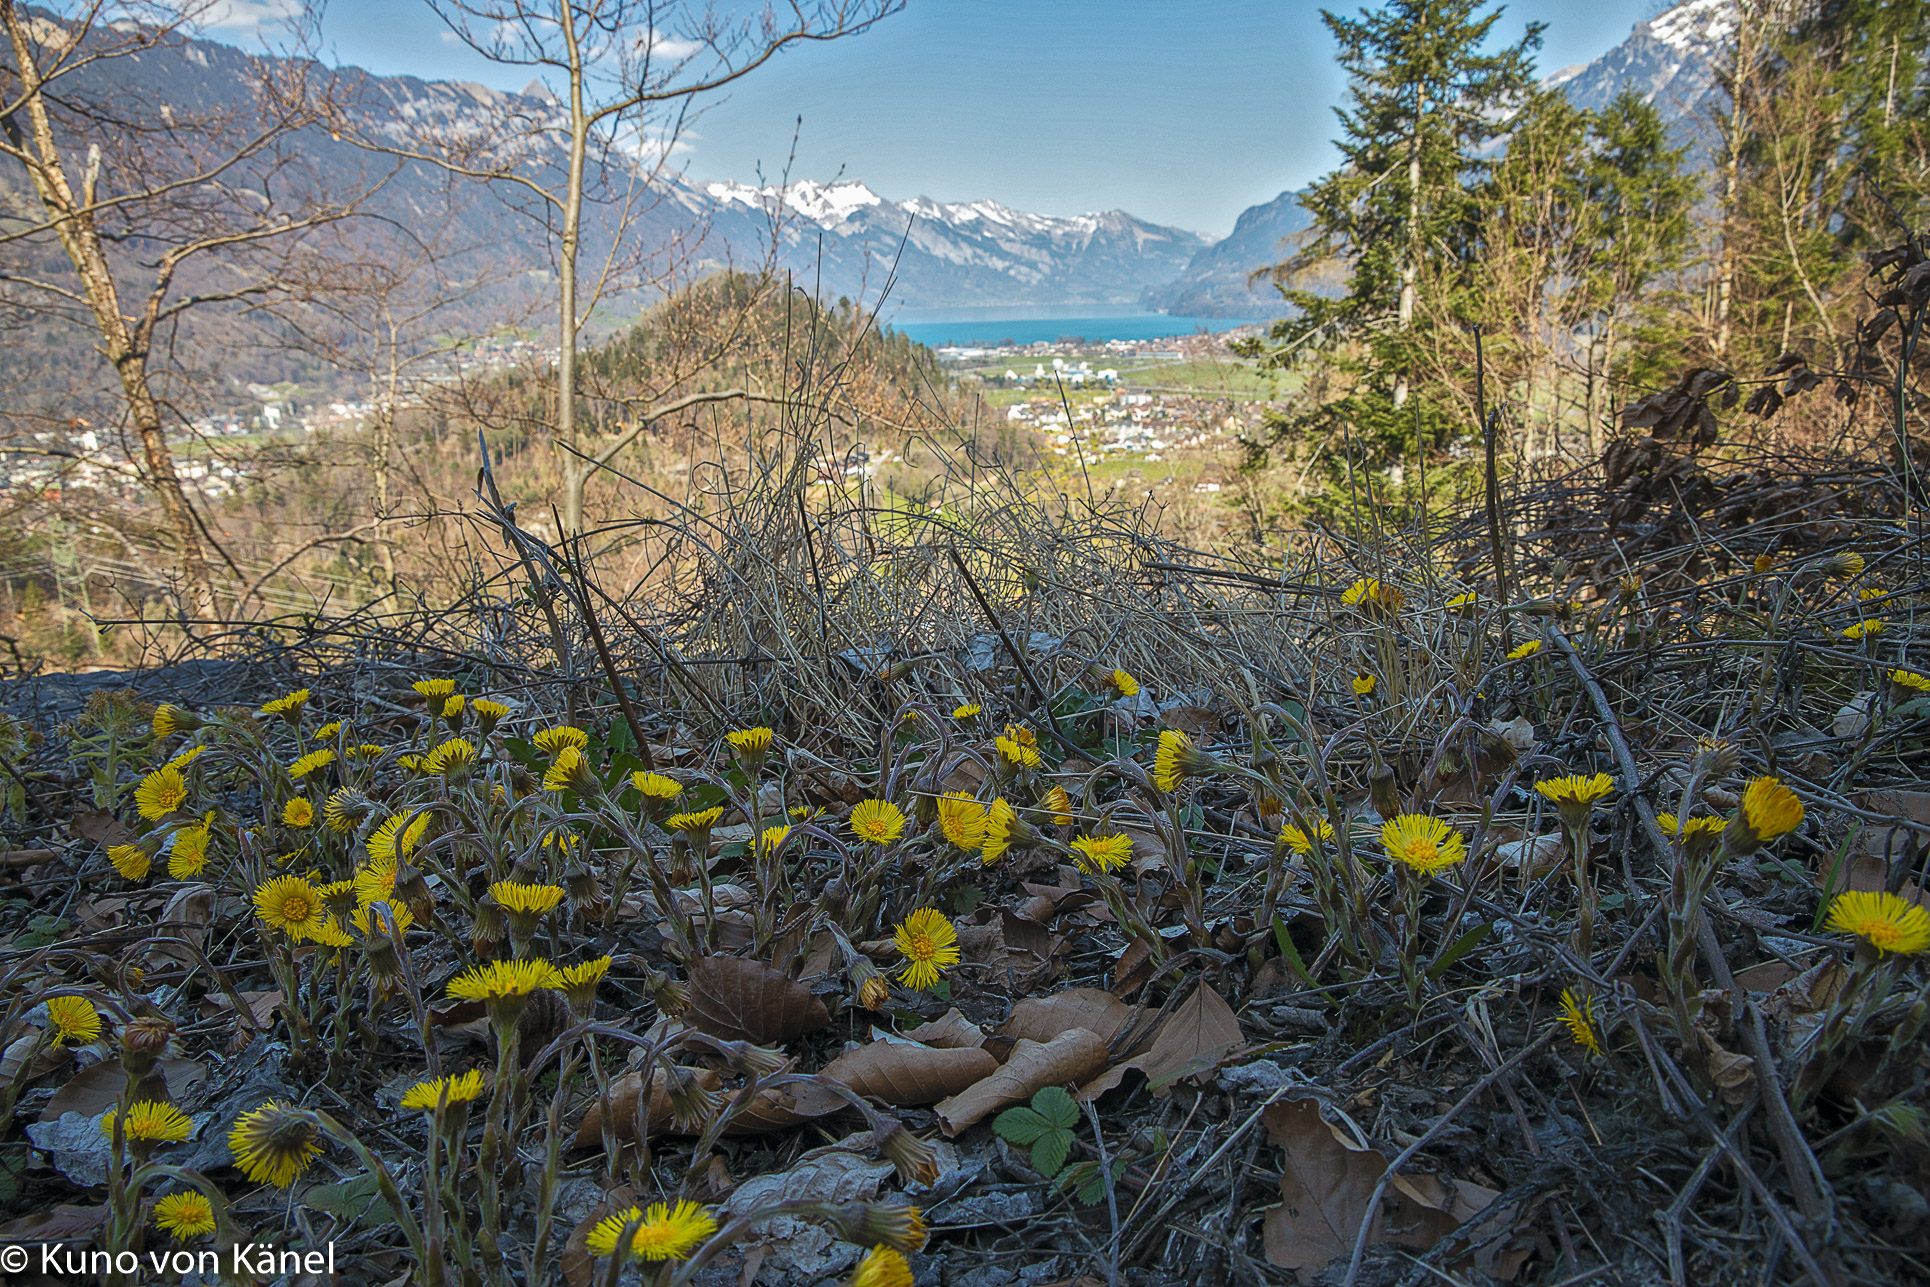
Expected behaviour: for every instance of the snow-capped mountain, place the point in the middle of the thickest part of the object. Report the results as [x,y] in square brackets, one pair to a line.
[957,254]
[1670,60]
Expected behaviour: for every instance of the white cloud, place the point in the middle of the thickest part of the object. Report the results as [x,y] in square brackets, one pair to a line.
[671,49]
[249,15]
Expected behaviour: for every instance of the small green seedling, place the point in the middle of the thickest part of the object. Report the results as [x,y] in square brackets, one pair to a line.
[1046,1126]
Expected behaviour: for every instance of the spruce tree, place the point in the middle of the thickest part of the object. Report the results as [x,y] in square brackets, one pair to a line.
[1424,102]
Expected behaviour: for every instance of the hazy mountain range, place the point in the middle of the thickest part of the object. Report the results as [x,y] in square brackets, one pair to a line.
[838,238]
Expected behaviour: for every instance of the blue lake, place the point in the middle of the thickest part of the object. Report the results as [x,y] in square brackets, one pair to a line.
[1034,330]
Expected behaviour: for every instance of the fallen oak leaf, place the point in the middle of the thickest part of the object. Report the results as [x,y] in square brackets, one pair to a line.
[1073,1057]
[1326,1183]
[625,1093]
[1194,1037]
[950,1031]
[906,1075]
[744,1000]
[1043,1018]
[96,1088]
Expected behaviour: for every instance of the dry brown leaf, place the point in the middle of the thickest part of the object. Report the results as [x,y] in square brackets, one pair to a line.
[1766,976]
[579,1266]
[1027,936]
[63,1224]
[743,1000]
[1133,968]
[624,1093]
[185,917]
[950,1031]
[1149,851]
[1192,720]
[1194,1037]
[781,1107]
[97,1087]
[102,827]
[260,1004]
[1733,1074]
[1069,1058]
[1325,1186]
[1043,1018]
[905,1075]
[46,1059]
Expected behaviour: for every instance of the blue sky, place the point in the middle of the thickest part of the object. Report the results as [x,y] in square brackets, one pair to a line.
[1180,111]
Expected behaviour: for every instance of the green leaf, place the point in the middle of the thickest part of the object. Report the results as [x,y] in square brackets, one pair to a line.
[1291,954]
[966,898]
[1092,1190]
[1459,948]
[1056,1108]
[1049,1153]
[1021,1125]
[350,1202]
[42,931]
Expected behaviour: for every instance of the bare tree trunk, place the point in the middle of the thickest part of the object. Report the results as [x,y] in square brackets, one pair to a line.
[1410,265]
[576,471]
[124,346]
[1743,70]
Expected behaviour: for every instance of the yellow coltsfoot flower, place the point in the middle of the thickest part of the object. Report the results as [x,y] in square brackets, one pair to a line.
[72,1021]
[929,945]
[655,787]
[288,707]
[504,980]
[571,771]
[580,982]
[459,1088]
[149,1123]
[1577,1015]
[396,837]
[131,861]
[1178,759]
[435,694]
[1422,843]
[883,1267]
[289,904]
[552,740]
[1576,796]
[877,822]
[962,820]
[662,1233]
[310,763]
[1005,830]
[276,1143]
[1102,853]
[1018,746]
[188,855]
[1300,842]
[185,1214]
[1769,811]
[1885,921]
[161,793]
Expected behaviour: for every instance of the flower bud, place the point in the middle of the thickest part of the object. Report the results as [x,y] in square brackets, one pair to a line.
[914,1159]
[871,1224]
[1384,792]
[143,1042]
[692,1105]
